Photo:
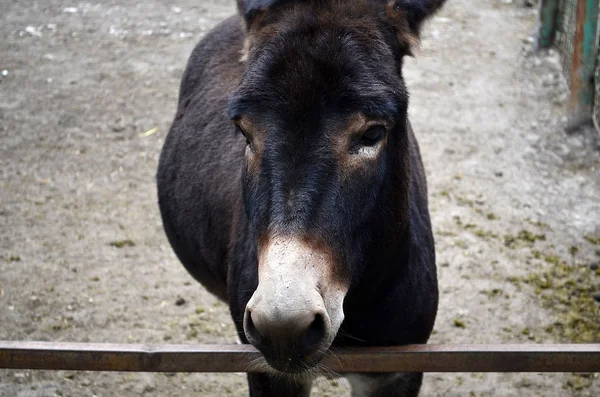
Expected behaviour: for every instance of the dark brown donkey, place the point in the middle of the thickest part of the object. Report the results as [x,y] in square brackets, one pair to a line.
[291,185]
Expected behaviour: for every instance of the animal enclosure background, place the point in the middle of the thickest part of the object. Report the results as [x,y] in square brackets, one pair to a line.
[87,93]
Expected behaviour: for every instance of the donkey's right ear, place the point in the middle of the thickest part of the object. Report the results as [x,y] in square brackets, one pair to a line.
[252,10]
[407,17]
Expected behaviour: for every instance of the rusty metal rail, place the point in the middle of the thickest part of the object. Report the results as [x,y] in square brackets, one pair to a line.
[236,358]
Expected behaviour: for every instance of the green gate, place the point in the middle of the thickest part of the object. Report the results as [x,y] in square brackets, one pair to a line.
[572,26]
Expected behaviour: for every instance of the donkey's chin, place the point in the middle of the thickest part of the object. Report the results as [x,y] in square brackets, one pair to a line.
[297,367]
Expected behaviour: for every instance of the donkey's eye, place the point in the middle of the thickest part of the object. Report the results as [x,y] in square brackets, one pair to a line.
[241,131]
[369,139]
[373,135]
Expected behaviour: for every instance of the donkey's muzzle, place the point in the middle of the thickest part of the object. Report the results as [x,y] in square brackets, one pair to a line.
[297,308]
[292,334]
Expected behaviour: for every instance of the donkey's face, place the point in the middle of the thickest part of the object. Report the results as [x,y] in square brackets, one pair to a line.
[322,107]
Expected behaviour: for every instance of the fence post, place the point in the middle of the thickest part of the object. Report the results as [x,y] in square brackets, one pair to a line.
[584,61]
[546,30]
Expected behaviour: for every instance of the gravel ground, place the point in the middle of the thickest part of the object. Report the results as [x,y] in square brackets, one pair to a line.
[87,92]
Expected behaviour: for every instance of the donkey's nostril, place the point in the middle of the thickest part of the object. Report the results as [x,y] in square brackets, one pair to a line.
[251,332]
[314,335]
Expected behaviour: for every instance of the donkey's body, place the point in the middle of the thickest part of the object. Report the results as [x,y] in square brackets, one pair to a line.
[301,206]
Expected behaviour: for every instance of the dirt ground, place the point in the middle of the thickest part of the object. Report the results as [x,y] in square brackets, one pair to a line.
[87,93]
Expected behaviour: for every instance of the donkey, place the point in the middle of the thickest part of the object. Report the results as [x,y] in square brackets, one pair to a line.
[291,185]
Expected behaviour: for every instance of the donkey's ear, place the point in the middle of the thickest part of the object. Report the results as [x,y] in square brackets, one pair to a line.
[407,17]
[250,10]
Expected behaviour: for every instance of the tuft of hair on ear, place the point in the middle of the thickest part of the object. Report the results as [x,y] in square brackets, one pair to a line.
[252,10]
[407,17]
[255,14]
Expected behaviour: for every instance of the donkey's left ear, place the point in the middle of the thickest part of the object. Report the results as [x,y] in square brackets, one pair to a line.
[407,17]
[250,10]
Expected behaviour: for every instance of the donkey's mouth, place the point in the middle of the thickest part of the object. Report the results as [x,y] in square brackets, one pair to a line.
[296,366]
[289,359]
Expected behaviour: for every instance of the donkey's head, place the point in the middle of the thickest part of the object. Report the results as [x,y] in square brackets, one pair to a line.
[322,106]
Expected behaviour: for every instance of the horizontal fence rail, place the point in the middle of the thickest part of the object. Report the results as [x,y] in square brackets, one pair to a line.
[244,358]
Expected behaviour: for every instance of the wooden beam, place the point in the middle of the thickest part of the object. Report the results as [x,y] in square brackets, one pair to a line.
[244,358]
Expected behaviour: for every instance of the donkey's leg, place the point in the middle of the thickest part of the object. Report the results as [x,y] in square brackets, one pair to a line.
[401,384]
[262,385]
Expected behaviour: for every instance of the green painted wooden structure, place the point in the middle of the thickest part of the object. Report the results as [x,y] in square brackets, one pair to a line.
[548,13]
[572,26]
